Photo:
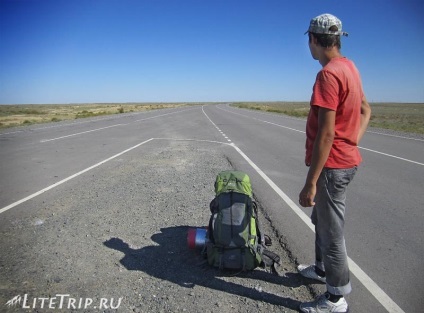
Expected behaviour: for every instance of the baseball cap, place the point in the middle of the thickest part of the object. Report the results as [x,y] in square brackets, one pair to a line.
[322,24]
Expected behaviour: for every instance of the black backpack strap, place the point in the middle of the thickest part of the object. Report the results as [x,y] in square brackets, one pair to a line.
[231,214]
[261,238]
[213,205]
[221,258]
[210,229]
[243,259]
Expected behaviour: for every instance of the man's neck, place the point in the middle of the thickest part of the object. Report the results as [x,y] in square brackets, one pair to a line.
[327,54]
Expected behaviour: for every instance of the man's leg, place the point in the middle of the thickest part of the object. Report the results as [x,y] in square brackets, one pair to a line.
[319,261]
[328,217]
[329,214]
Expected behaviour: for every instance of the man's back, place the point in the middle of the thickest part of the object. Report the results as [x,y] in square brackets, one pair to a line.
[338,87]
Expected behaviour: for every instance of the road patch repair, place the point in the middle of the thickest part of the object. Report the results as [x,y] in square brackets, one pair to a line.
[114,238]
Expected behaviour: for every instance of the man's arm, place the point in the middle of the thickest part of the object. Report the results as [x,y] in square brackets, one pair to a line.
[320,153]
[365,118]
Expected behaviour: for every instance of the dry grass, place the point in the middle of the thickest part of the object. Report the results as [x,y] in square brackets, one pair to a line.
[17,115]
[297,109]
[407,117]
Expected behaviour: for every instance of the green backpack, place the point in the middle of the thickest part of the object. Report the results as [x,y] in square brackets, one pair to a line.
[234,238]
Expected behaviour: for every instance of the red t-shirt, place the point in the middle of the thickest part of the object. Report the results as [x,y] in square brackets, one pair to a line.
[337,87]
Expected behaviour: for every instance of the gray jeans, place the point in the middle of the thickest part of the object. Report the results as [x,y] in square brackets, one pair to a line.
[328,218]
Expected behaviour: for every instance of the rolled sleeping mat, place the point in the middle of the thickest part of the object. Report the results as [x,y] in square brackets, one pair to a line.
[196,238]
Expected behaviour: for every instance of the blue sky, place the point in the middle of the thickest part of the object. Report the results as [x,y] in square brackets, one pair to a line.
[80,51]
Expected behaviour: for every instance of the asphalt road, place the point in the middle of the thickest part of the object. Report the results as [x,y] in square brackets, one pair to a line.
[384,230]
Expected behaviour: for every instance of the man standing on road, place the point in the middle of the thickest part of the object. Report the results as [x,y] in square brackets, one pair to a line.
[338,117]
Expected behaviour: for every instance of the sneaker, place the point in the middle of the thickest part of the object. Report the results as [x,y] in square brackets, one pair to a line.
[323,305]
[308,271]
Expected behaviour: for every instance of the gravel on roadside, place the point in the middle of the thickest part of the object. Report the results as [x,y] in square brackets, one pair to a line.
[119,234]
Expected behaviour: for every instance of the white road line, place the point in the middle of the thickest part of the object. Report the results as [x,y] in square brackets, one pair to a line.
[96,165]
[148,118]
[196,140]
[222,133]
[255,118]
[14,132]
[397,136]
[73,123]
[76,134]
[282,195]
[70,123]
[97,129]
[70,177]
[296,130]
[392,156]
[367,281]
[300,131]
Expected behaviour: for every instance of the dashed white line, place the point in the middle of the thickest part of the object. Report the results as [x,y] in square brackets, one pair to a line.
[221,132]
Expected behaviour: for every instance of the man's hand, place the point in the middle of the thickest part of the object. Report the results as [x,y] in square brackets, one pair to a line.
[365,118]
[307,195]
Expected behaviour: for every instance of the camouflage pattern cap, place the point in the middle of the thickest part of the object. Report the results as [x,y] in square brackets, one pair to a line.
[322,24]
